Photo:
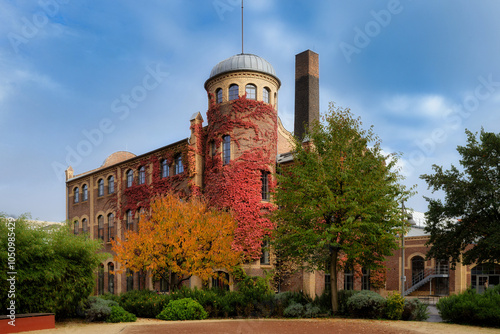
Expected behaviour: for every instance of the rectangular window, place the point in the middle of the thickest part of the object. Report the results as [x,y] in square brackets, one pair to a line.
[226,149]
[264,258]
[130,280]
[348,280]
[179,167]
[265,185]
[164,168]
[111,185]
[365,279]
[100,188]
[100,227]
[111,227]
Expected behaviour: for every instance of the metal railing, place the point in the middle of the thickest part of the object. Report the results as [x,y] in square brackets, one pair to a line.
[425,276]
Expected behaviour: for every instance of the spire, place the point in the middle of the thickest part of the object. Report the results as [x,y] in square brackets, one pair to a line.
[242,27]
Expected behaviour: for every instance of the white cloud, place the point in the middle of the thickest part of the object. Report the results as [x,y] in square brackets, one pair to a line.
[431,106]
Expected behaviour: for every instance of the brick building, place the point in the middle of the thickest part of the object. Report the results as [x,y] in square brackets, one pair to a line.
[230,160]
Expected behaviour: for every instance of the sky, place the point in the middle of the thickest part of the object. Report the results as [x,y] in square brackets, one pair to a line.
[420,72]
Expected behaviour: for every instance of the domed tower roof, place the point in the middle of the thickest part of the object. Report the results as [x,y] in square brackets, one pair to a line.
[242,62]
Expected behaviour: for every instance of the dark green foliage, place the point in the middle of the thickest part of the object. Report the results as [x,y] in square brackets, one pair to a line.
[344,296]
[118,314]
[55,268]
[143,303]
[98,309]
[415,310]
[472,308]
[183,309]
[311,311]
[366,304]
[341,195]
[294,310]
[470,213]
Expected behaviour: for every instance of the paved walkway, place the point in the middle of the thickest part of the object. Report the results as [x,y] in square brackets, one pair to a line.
[434,314]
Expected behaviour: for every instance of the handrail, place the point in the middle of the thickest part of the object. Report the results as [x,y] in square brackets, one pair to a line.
[423,276]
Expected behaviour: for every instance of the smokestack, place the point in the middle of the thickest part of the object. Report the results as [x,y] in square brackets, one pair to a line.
[306,91]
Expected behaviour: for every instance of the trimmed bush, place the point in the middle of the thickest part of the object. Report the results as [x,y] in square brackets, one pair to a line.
[415,310]
[295,310]
[143,303]
[98,309]
[394,306]
[472,308]
[183,309]
[366,304]
[118,314]
[311,311]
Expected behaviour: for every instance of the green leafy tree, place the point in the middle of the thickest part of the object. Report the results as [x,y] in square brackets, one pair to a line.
[54,269]
[470,212]
[339,199]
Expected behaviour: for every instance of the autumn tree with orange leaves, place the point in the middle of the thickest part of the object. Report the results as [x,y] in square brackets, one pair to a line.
[179,237]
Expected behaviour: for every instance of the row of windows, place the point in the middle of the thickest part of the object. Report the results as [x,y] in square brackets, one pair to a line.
[349,279]
[165,172]
[100,190]
[129,225]
[250,90]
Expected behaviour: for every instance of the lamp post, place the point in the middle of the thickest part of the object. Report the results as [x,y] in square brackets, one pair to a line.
[404,224]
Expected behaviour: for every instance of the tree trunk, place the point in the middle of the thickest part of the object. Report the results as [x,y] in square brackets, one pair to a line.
[333,281]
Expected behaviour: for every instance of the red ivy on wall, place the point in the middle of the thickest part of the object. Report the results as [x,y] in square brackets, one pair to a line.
[237,185]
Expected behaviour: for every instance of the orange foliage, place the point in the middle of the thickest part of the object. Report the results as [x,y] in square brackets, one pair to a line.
[184,237]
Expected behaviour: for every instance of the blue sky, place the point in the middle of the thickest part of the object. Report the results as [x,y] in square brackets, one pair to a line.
[421,72]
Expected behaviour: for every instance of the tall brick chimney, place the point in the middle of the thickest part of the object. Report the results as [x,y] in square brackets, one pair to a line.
[306,91]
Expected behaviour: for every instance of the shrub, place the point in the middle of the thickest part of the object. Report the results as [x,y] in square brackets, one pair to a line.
[394,306]
[415,310]
[98,309]
[183,309]
[143,303]
[295,310]
[311,311]
[118,314]
[472,308]
[343,296]
[366,304]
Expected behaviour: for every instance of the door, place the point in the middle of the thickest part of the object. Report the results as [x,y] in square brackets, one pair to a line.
[481,279]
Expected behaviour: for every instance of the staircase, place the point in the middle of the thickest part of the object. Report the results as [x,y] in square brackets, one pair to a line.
[424,277]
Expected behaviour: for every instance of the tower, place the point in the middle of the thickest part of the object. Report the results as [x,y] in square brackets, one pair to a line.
[306,91]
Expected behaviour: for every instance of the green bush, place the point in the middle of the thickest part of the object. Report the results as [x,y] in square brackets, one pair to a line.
[55,268]
[394,306]
[472,308]
[344,296]
[295,310]
[311,311]
[366,304]
[98,309]
[183,309]
[118,314]
[415,310]
[143,303]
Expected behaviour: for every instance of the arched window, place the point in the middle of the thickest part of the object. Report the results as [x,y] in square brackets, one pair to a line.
[111,184]
[221,281]
[84,226]
[417,269]
[179,167]
[130,220]
[130,280]
[111,278]
[142,175]
[100,187]
[233,92]
[100,227]
[265,95]
[85,193]
[218,95]
[265,185]
[348,279]
[164,168]
[76,227]
[264,258]
[251,91]
[226,149]
[365,279]
[130,178]
[100,282]
[111,227]
[76,195]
